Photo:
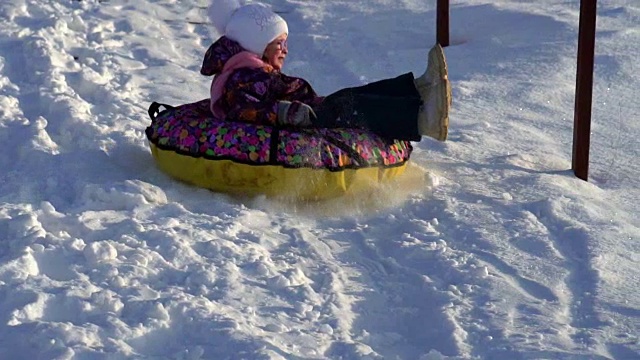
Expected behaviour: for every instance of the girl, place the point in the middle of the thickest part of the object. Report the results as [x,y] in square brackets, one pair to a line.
[249,85]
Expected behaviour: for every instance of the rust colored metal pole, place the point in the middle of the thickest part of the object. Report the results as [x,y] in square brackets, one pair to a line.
[584,89]
[442,22]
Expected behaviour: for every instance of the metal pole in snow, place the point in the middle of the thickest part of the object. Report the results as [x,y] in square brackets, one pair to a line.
[584,89]
[442,22]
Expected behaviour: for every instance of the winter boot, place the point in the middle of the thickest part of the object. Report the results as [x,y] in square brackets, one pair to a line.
[435,91]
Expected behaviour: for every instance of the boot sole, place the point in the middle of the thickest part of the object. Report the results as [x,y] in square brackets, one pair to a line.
[444,130]
[437,56]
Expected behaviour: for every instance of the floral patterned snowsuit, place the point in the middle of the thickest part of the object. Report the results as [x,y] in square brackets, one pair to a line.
[252,95]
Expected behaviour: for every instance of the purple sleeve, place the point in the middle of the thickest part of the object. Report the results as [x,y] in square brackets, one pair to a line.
[297,89]
[248,99]
[252,95]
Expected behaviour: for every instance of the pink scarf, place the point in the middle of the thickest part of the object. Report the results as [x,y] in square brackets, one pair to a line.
[240,60]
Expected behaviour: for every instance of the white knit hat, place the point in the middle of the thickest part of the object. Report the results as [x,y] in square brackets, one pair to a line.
[253,25]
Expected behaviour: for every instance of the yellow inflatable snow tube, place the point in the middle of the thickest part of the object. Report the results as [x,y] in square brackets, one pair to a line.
[239,158]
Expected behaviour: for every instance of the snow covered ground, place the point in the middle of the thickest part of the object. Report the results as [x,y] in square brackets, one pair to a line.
[489,248]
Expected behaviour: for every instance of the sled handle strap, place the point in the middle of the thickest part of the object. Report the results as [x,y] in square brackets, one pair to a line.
[273,146]
[351,152]
[154,109]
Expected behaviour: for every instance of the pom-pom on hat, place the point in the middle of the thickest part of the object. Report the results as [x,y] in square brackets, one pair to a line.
[253,25]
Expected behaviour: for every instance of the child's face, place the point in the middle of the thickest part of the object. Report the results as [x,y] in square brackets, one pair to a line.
[276,52]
